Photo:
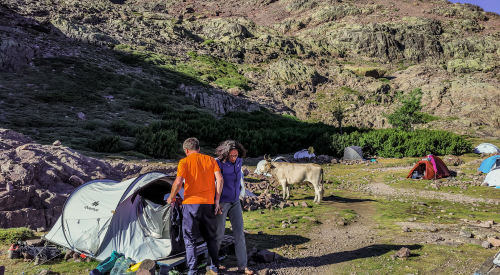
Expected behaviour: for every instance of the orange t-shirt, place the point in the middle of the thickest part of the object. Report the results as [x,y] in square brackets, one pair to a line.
[198,171]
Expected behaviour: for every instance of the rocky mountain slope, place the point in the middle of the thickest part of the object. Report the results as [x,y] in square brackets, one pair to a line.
[296,57]
[36,180]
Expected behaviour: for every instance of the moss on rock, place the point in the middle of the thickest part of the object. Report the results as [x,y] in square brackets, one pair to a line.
[336,12]
[375,72]
[292,70]
[468,66]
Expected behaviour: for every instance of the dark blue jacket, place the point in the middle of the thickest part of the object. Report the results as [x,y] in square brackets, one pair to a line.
[232,180]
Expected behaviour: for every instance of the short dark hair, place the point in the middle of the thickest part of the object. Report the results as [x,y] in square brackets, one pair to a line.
[222,151]
[191,144]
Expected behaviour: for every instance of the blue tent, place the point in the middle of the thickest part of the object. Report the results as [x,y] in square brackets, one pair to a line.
[488,163]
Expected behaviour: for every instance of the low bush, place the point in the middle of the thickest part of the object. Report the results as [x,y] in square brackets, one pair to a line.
[162,143]
[397,144]
[260,132]
[12,235]
[109,144]
[122,127]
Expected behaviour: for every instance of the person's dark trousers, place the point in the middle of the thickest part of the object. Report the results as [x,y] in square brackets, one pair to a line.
[199,219]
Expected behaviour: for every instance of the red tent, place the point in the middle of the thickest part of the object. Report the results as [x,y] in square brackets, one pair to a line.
[430,167]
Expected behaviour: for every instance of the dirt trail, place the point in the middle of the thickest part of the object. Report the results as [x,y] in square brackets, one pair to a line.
[383,189]
[331,243]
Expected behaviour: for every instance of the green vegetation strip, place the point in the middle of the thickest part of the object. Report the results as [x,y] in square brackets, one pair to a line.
[11,235]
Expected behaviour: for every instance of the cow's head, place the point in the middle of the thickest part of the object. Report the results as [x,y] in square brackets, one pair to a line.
[268,166]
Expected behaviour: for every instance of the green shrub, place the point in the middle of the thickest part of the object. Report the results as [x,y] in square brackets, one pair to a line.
[121,127]
[208,42]
[109,144]
[260,132]
[409,113]
[90,125]
[12,235]
[398,144]
[162,143]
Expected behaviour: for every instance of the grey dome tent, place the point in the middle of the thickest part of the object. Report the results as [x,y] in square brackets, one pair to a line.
[353,152]
[129,217]
[486,148]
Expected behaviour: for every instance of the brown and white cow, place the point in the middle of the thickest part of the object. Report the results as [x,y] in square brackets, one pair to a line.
[297,174]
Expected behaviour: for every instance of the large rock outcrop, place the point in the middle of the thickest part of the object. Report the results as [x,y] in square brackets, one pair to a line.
[217,100]
[36,180]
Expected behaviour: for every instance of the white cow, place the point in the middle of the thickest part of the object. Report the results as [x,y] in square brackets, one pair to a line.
[296,173]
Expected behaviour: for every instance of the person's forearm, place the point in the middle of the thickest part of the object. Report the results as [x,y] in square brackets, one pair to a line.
[176,186]
[220,184]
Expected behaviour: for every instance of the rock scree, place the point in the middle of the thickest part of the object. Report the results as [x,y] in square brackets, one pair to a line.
[36,180]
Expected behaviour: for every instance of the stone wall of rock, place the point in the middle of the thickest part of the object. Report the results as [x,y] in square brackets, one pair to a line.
[217,100]
[36,180]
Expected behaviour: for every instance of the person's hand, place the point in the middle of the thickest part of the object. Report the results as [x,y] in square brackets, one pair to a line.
[169,200]
[218,208]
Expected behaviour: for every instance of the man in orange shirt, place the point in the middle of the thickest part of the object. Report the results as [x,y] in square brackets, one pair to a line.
[198,207]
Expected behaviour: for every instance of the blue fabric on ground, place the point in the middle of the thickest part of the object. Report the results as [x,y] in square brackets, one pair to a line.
[109,262]
[95,272]
[486,165]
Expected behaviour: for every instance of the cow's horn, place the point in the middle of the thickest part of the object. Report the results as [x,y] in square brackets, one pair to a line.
[266,157]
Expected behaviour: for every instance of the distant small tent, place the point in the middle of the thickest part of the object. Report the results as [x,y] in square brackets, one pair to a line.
[489,164]
[353,152]
[493,177]
[303,154]
[430,167]
[486,148]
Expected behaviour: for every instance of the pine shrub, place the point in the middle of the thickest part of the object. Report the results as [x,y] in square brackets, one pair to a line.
[109,144]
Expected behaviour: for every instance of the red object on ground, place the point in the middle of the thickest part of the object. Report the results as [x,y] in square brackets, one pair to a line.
[428,167]
[13,247]
[83,256]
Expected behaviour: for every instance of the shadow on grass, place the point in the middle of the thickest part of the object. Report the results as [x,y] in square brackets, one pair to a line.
[345,256]
[334,198]
[268,241]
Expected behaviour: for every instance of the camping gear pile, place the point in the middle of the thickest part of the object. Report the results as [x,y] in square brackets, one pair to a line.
[34,252]
[429,167]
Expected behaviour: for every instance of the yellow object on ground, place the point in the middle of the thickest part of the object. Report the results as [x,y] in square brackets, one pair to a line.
[134,267]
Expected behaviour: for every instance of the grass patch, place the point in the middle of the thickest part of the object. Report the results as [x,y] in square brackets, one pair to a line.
[11,235]
[219,71]
[426,118]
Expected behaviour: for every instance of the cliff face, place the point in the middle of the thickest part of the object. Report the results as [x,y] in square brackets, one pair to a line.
[297,57]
